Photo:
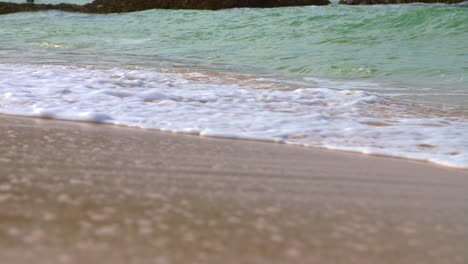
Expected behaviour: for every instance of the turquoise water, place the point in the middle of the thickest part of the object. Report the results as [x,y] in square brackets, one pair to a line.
[419,52]
[388,80]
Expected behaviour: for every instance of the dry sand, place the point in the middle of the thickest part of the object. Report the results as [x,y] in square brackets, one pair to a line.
[83,193]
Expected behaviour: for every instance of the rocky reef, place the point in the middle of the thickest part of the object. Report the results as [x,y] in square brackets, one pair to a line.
[119,6]
[387,2]
[6,8]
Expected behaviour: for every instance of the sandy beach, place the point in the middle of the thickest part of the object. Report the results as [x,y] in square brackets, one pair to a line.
[86,193]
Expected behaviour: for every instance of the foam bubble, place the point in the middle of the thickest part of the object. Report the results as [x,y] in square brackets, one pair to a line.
[326,114]
[95,117]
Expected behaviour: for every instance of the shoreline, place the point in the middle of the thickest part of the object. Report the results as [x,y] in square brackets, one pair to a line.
[266,141]
[85,193]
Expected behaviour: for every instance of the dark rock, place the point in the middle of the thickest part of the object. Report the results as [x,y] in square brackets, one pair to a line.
[6,8]
[113,6]
[119,6]
[386,2]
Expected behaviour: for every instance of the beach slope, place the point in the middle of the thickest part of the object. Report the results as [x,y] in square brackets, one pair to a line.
[85,193]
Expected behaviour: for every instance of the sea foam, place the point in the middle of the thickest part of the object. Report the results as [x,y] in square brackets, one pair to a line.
[230,106]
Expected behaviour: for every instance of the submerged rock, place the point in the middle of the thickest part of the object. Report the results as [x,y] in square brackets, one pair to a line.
[387,2]
[119,6]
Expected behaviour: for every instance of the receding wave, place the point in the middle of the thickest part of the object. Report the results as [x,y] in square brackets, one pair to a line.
[223,105]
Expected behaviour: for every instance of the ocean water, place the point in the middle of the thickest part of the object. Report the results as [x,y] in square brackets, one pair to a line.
[388,80]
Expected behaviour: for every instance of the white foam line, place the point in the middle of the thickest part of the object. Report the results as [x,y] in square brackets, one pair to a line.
[196,103]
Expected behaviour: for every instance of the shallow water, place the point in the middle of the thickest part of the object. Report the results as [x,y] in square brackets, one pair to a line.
[389,80]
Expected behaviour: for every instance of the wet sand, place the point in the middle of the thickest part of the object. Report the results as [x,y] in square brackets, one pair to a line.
[84,193]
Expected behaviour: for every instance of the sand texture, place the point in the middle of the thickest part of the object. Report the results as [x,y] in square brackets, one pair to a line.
[84,193]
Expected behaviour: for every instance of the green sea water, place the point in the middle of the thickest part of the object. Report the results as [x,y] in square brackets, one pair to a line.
[417,51]
[387,80]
